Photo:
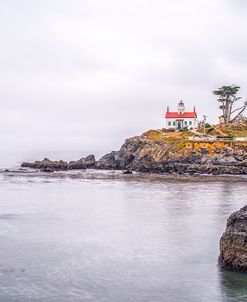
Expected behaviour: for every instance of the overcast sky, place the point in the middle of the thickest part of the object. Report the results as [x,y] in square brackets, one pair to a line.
[86,74]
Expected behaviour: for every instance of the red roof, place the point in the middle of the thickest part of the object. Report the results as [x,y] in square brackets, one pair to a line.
[182,115]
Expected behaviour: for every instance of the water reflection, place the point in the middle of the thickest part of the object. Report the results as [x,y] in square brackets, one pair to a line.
[124,239]
[233,286]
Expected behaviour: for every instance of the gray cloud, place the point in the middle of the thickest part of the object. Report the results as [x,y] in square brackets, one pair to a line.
[83,75]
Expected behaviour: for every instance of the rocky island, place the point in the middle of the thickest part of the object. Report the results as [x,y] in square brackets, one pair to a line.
[164,151]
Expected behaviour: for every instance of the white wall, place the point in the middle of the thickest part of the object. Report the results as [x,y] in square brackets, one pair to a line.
[188,120]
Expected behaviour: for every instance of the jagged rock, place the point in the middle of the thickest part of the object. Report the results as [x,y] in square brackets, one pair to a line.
[144,155]
[83,163]
[90,161]
[141,154]
[233,243]
[108,161]
[47,163]
[26,165]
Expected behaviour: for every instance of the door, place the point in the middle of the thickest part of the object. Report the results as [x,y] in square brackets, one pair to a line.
[180,125]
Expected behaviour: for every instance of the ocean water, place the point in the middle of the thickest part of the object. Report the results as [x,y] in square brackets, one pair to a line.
[97,236]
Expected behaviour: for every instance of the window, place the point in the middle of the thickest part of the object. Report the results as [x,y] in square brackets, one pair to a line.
[185,123]
[174,123]
[169,123]
[190,123]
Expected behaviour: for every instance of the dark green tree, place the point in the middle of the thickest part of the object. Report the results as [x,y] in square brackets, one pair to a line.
[227,97]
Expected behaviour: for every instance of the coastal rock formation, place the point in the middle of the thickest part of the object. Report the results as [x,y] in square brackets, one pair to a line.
[47,165]
[108,161]
[143,154]
[233,243]
[83,163]
[137,154]
[160,151]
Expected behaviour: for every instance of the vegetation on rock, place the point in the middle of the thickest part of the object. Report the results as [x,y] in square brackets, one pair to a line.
[227,97]
[234,129]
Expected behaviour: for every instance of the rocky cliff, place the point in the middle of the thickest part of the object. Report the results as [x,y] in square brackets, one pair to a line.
[164,152]
[156,151]
[233,243]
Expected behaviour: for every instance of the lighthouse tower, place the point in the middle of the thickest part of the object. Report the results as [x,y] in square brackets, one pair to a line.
[181,107]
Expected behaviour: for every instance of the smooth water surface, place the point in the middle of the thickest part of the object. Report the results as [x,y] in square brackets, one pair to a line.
[116,240]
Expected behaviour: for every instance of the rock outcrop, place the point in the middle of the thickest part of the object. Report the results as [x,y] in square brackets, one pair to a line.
[233,243]
[108,161]
[47,165]
[160,152]
[145,155]
[83,163]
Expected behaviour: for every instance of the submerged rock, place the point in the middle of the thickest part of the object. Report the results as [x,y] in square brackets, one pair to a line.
[233,243]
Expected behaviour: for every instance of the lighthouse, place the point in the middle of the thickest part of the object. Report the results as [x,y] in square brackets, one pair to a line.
[181,118]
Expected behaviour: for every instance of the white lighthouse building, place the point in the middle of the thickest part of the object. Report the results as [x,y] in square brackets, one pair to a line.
[181,118]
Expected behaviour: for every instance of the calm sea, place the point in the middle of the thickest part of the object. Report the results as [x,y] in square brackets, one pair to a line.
[115,239]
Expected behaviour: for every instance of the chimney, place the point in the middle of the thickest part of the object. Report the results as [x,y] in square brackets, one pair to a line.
[167,109]
[194,109]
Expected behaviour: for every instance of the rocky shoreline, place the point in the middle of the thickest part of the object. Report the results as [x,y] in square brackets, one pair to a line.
[142,154]
[181,158]
[47,165]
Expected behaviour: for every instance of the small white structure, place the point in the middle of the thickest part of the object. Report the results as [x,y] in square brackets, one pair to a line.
[181,118]
[221,120]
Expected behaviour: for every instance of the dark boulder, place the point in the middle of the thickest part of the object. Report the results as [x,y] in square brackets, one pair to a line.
[233,243]
[90,161]
[27,165]
[83,163]
[108,161]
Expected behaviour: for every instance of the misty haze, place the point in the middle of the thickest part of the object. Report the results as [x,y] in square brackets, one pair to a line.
[123,151]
